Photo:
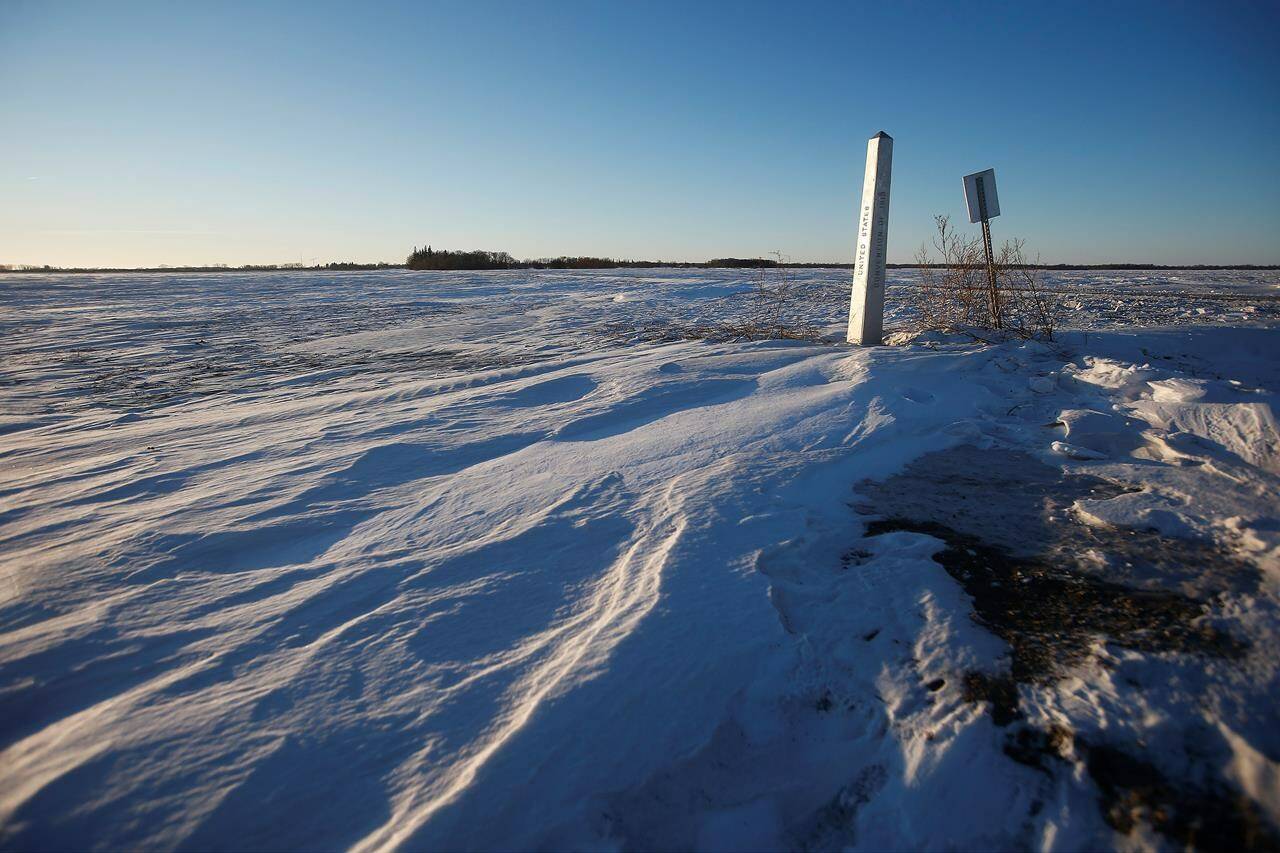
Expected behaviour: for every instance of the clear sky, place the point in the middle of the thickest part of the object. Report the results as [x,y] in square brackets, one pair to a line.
[188,133]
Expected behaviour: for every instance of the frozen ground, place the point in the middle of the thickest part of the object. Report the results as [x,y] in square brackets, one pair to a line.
[494,561]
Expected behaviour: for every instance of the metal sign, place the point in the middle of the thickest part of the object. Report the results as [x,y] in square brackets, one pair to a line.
[980,195]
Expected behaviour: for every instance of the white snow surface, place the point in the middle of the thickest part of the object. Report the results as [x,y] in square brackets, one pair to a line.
[406,560]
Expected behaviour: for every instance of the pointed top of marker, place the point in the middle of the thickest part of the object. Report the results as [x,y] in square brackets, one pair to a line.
[883,135]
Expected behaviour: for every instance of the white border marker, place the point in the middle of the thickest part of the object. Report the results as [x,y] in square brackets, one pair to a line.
[866,303]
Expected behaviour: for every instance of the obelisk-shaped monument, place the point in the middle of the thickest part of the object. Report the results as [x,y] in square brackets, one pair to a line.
[866,306]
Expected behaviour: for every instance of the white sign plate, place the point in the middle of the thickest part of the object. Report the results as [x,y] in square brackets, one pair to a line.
[980,189]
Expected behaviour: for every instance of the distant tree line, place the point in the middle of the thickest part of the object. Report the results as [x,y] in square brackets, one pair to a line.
[432,259]
[445,259]
[355,265]
[481,259]
[748,263]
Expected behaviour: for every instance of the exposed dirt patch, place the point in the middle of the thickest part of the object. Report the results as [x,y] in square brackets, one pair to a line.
[1041,580]
[1206,815]
[1021,507]
[1033,571]
[1051,617]
[1000,690]
[1202,817]
[1053,589]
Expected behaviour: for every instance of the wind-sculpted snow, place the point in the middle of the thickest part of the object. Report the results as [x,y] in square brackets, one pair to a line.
[482,561]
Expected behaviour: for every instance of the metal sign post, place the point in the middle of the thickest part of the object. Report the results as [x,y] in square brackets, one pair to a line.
[980,196]
[866,302]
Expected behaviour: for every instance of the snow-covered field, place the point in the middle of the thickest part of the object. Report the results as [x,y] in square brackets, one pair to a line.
[503,561]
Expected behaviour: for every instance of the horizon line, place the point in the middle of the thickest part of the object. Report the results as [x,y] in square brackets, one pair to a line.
[743,263]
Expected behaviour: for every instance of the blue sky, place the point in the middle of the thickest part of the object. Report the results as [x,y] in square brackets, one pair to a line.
[184,133]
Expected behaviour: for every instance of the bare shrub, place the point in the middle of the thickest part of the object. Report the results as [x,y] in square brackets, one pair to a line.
[956,290]
[775,307]
[954,293]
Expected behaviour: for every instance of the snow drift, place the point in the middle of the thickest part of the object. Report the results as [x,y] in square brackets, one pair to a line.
[426,561]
